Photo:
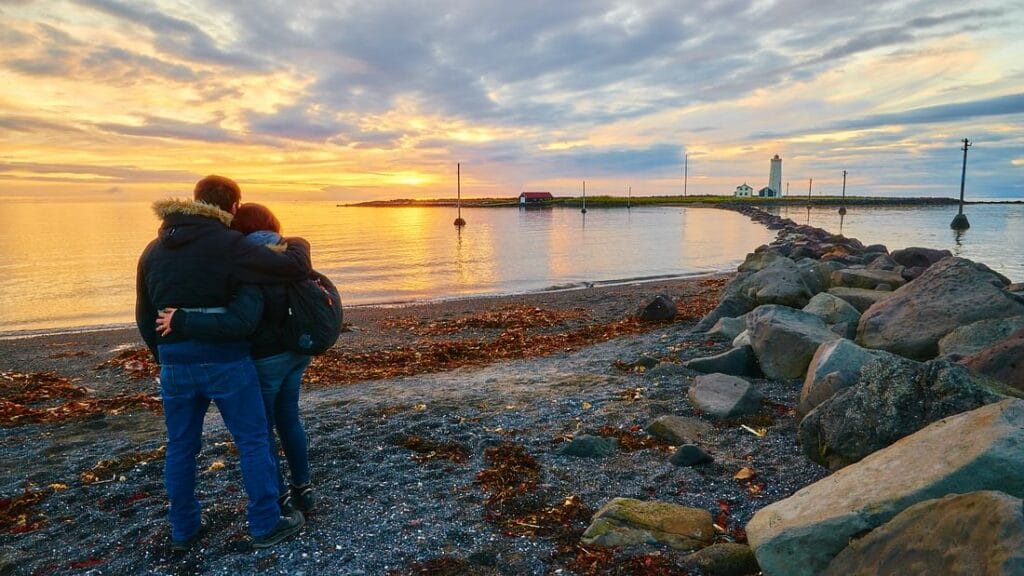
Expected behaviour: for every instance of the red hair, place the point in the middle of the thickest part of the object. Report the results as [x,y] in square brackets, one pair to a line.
[252,217]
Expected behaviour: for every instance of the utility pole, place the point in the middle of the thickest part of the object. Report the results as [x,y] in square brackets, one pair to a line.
[842,207]
[960,220]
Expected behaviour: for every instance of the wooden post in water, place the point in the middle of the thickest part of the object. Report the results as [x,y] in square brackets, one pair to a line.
[459,222]
[842,207]
[629,197]
[809,181]
[686,157]
[960,220]
[584,210]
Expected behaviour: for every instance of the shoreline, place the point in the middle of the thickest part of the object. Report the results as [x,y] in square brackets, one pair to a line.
[691,201]
[67,331]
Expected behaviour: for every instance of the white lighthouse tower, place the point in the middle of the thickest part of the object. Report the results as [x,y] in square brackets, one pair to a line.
[775,176]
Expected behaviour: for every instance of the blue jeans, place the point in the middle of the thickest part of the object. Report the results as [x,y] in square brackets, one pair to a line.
[186,390]
[280,380]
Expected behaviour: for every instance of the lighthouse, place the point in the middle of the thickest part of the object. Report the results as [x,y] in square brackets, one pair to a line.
[775,176]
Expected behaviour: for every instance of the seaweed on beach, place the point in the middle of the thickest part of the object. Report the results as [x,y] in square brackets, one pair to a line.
[342,367]
[38,387]
[507,318]
[137,363]
[600,561]
[427,450]
[513,473]
[18,514]
[106,470]
[630,439]
[29,399]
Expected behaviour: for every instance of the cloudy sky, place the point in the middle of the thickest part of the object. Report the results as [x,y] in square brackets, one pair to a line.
[369,99]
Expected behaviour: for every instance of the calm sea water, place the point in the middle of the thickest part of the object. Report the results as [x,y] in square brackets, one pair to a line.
[72,265]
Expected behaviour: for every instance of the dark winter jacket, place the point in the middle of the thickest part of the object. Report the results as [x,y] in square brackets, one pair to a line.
[197,261]
[264,306]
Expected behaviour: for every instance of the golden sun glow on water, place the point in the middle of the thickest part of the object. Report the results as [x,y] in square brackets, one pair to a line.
[80,267]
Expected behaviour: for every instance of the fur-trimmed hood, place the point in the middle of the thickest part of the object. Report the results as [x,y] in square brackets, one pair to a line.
[165,208]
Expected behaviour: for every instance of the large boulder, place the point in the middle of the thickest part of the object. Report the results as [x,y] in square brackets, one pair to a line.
[1003,361]
[893,398]
[977,450]
[832,309]
[723,396]
[959,535]
[629,522]
[916,257]
[951,293]
[835,366]
[781,282]
[765,278]
[974,338]
[728,328]
[864,278]
[739,361]
[860,298]
[785,339]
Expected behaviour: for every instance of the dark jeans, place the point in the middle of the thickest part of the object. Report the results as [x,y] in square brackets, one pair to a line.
[280,380]
[186,390]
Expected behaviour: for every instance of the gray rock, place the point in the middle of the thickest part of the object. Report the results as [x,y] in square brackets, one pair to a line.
[915,257]
[974,338]
[951,293]
[661,309]
[817,275]
[832,309]
[668,370]
[742,340]
[678,430]
[1002,361]
[859,298]
[883,262]
[736,362]
[977,450]
[725,559]
[729,328]
[690,455]
[587,446]
[893,398]
[932,537]
[781,282]
[730,305]
[723,396]
[647,362]
[629,522]
[785,339]
[846,330]
[835,366]
[756,261]
[864,278]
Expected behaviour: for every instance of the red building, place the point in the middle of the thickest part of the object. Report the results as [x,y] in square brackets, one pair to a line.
[535,197]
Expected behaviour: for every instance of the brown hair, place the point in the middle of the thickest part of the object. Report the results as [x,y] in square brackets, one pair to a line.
[222,192]
[252,217]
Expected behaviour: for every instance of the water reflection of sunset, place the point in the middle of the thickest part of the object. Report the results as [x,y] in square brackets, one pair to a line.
[79,268]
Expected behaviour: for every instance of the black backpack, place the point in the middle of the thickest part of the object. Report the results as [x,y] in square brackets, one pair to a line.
[313,322]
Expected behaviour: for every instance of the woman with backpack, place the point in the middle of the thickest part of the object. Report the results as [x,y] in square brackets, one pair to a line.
[279,369]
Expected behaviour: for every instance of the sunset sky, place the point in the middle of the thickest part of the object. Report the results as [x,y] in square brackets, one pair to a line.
[376,99]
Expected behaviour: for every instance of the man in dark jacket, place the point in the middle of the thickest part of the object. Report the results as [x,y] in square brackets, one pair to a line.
[197,262]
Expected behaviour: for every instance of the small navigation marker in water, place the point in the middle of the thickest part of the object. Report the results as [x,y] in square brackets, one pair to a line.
[584,210]
[458,176]
[842,207]
[960,220]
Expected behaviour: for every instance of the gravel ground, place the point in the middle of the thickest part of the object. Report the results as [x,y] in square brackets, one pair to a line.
[384,508]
